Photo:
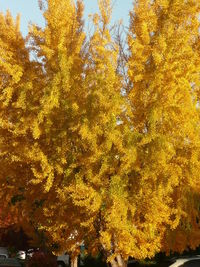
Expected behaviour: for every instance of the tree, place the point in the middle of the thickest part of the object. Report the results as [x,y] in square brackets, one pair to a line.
[81,119]
[164,72]
[60,48]
[85,193]
[17,105]
[34,154]
[84,159]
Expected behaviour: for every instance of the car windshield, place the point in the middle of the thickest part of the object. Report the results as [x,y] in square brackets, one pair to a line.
[191,263]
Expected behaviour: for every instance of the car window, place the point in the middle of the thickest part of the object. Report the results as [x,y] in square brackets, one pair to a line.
[191,263]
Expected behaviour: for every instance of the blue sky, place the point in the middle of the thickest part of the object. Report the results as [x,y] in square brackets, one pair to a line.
[30,12]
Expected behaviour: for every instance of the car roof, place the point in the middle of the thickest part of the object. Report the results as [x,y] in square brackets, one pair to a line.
[182,260]
[9,262]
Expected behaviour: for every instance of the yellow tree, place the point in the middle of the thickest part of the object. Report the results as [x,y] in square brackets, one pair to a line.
[39,110]
[102,188]
[164,72]
[89,198]
[18,98]
[59,47]
[81,160]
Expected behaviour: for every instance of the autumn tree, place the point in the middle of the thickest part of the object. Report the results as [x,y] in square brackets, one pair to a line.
[164,71]
[81,116]
[42,152]
[60,50]
[106,147]
[83,158]
[86,191]
[20,80]
[17,105]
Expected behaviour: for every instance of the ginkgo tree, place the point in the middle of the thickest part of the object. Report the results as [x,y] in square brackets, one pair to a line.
[17,106]
[164,71]
[85,197]
[30,129]
[83,159]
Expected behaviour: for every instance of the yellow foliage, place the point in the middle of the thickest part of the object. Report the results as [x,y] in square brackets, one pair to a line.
[83,158]
[163,67]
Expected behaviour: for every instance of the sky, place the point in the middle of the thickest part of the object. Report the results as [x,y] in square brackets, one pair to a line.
[30,12]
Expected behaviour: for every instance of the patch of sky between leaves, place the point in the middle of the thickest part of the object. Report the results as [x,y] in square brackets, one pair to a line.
[30,12]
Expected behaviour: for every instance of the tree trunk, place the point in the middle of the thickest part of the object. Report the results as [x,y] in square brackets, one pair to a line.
[118,262]
[114,263]
[74,261]
[121,262]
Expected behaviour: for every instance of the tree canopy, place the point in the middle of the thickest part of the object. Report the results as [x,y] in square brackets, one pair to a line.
[86,157]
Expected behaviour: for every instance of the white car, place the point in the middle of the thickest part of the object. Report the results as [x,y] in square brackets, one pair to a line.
[21,255]
[193,261]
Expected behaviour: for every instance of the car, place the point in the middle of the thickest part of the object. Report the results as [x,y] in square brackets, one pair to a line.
[9,262]
[4,254]
[21,255]
[192,261]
